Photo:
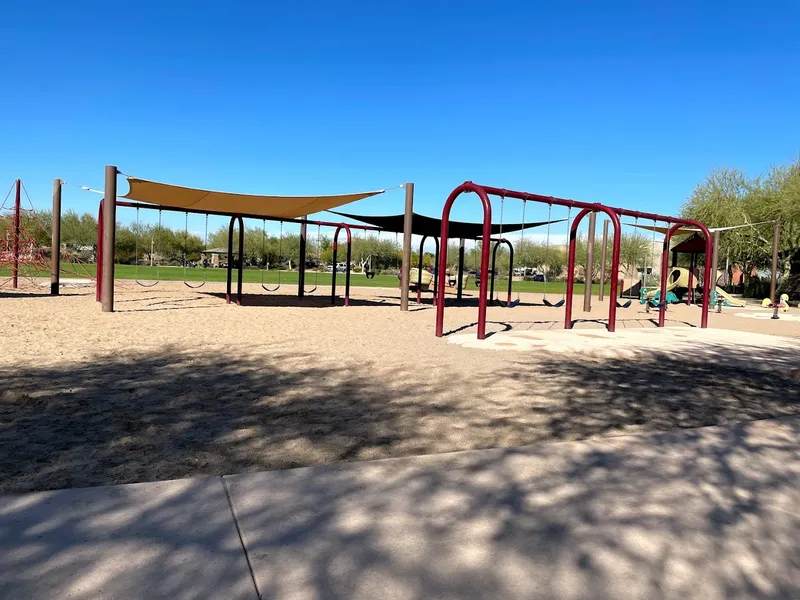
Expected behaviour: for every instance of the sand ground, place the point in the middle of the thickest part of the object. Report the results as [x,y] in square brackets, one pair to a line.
[177,383]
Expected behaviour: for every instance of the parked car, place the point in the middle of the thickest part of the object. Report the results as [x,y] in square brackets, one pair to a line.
[329,268]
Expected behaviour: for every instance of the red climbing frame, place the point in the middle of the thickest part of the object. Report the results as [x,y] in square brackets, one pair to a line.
[484,191]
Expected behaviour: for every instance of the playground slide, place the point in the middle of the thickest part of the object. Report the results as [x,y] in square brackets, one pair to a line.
[672,283]
[729,300]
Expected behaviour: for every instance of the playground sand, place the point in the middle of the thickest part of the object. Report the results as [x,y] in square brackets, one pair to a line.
[179,384]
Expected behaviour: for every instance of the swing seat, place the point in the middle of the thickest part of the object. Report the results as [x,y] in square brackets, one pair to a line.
[513,303]
[194,287]
[370,274]
[558,304]
[148,285]
[624,305]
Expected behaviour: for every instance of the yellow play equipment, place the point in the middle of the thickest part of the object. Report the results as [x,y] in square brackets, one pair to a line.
[678,280]
[427,280]
[782,304]
[678,277]
[413,279]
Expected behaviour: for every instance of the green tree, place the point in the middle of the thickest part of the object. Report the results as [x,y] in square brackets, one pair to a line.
[727,197]
[78,230]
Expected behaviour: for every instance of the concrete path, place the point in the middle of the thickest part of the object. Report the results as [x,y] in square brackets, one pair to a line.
[703,513]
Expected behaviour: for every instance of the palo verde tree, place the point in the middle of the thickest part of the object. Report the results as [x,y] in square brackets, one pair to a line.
[728,197]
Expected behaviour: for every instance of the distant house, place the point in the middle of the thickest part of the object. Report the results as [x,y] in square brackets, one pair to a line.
[216,257]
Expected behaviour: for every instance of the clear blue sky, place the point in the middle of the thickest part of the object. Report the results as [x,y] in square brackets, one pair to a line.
[629,103]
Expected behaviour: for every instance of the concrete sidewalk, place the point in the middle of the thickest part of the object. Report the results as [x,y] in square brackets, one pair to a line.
[703,513]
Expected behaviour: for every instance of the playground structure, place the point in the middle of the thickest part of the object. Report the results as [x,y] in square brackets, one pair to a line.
[614,214]
[430,228]
[285,209]
[23,247]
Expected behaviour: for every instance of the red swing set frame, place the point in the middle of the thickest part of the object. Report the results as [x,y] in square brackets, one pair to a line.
[613,213]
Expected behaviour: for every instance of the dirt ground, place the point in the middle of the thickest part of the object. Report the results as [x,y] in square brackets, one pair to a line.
[177,383]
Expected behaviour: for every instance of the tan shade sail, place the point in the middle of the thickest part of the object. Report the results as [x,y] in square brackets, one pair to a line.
[663,230]
[289,207]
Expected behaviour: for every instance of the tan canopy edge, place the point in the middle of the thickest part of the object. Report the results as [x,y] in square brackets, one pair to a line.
[687,229]
[288,207]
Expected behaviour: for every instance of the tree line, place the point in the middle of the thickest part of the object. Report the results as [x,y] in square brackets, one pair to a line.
[380,252]
[729,197]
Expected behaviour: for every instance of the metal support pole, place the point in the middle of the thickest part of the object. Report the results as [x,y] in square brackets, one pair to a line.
[109,238]
[587,291]
[301,267]
[692,264]
[776,240]
[603,253]
[712,285]
[55,239]
[405,273]
[16,225]
[98,284]
[460,280]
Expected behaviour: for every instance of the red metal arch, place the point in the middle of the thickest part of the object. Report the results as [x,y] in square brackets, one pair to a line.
[347,271]
[707,279]
[442,268]
[614,215]
[615,252]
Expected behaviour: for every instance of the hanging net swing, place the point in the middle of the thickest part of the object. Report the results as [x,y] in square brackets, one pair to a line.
[546,302]
[265,265]
[205,247]
[136,243]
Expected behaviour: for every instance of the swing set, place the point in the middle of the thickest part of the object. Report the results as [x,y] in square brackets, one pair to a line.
[234,220]
[613,213]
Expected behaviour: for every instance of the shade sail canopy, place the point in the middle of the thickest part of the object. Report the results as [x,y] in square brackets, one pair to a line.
[288,207]
[422,225]
[687,229]
[695,244]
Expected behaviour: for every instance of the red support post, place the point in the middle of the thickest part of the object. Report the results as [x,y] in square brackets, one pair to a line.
[692,261]
[442,267]
[99,261]
[16,225]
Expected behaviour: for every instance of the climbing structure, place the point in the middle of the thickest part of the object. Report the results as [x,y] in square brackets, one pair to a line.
[24,241]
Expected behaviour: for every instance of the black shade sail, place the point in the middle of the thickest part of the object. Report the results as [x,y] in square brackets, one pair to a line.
[422,225]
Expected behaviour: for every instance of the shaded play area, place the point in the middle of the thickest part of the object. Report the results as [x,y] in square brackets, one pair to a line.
[177,383]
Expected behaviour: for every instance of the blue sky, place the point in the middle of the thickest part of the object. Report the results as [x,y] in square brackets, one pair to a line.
[629,103]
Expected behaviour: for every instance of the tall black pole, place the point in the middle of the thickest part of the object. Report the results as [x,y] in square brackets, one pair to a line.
[460,279]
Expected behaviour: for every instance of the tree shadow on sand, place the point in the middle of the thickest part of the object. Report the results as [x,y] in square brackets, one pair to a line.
[176,413]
